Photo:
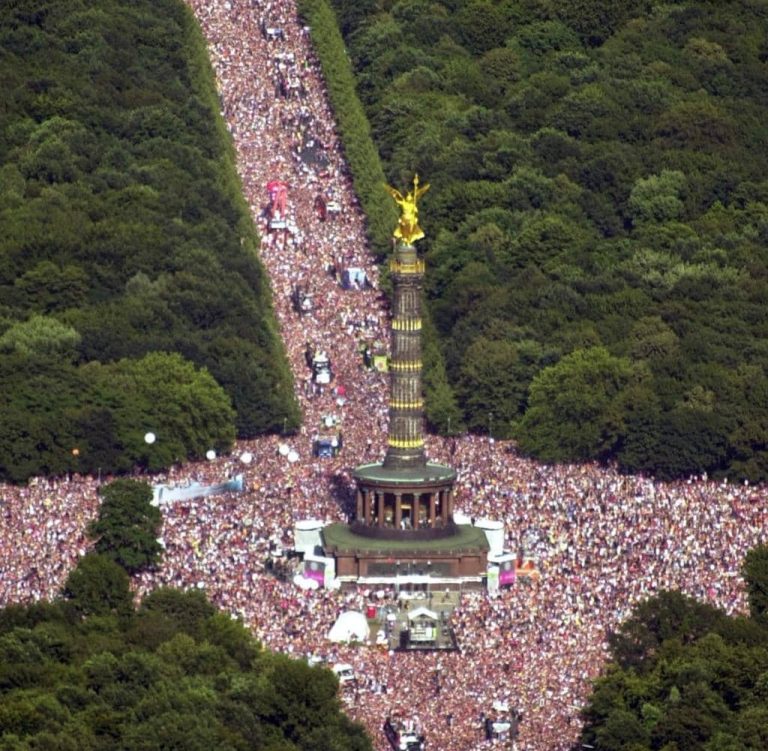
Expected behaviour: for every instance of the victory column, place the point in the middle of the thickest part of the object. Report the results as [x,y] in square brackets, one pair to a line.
[404,504]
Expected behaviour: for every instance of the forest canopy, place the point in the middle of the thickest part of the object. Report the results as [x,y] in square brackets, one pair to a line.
[129,279]
[598,215]
[92,672]
[684,675]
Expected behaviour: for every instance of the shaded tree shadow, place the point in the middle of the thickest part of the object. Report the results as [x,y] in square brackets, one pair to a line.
[342,491]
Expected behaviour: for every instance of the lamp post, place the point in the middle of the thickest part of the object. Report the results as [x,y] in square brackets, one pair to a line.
[490,426]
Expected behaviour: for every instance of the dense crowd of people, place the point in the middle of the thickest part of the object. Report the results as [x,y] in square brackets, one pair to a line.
[602,541]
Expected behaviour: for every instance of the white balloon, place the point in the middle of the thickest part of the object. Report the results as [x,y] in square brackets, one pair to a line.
[246,457]
[284,449]
[210,455]
[293,456]
[150,438]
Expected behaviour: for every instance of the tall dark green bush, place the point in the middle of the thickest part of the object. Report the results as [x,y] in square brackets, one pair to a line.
[128,525]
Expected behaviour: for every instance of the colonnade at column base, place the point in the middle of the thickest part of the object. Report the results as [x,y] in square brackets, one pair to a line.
[403,498]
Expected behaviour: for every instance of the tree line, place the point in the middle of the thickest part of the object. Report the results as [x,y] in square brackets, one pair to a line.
[441,410]
[92,671]
[684,675]
[131,295]
[596,227]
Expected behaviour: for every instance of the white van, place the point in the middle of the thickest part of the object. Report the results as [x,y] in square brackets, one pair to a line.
[345,673]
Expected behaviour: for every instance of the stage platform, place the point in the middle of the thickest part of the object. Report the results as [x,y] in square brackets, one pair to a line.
[459,558]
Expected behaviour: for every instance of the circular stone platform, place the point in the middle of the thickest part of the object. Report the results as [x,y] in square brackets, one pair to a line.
[427,475]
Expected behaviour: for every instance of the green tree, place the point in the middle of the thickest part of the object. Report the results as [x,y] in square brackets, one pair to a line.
[300,701]
[621,731]
[75,676]
[42,336]
[186,612]
[650,339]
[668,615]
[575,407]
[482,26]
[99,586]
[658,198]
[621,143]
[685,675]
[753,728]
[755,573]
[123,217]
[128,525]
[47,287]
[494,382]
[199,731]
[164,394]
[596,20]
[699,123]
[684,441]
[99,445]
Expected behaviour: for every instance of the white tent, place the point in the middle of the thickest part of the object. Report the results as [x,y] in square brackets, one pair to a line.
[423,625]
[418,612]
[350,626]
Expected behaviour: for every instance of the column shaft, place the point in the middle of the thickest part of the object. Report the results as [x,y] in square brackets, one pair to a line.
[406,431]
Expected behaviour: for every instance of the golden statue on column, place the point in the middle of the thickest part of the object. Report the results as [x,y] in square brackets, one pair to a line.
[408,229]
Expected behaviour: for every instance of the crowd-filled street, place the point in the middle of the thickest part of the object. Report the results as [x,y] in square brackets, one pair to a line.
[602,540]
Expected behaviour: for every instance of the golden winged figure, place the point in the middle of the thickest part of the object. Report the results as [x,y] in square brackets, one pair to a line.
[408,229]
